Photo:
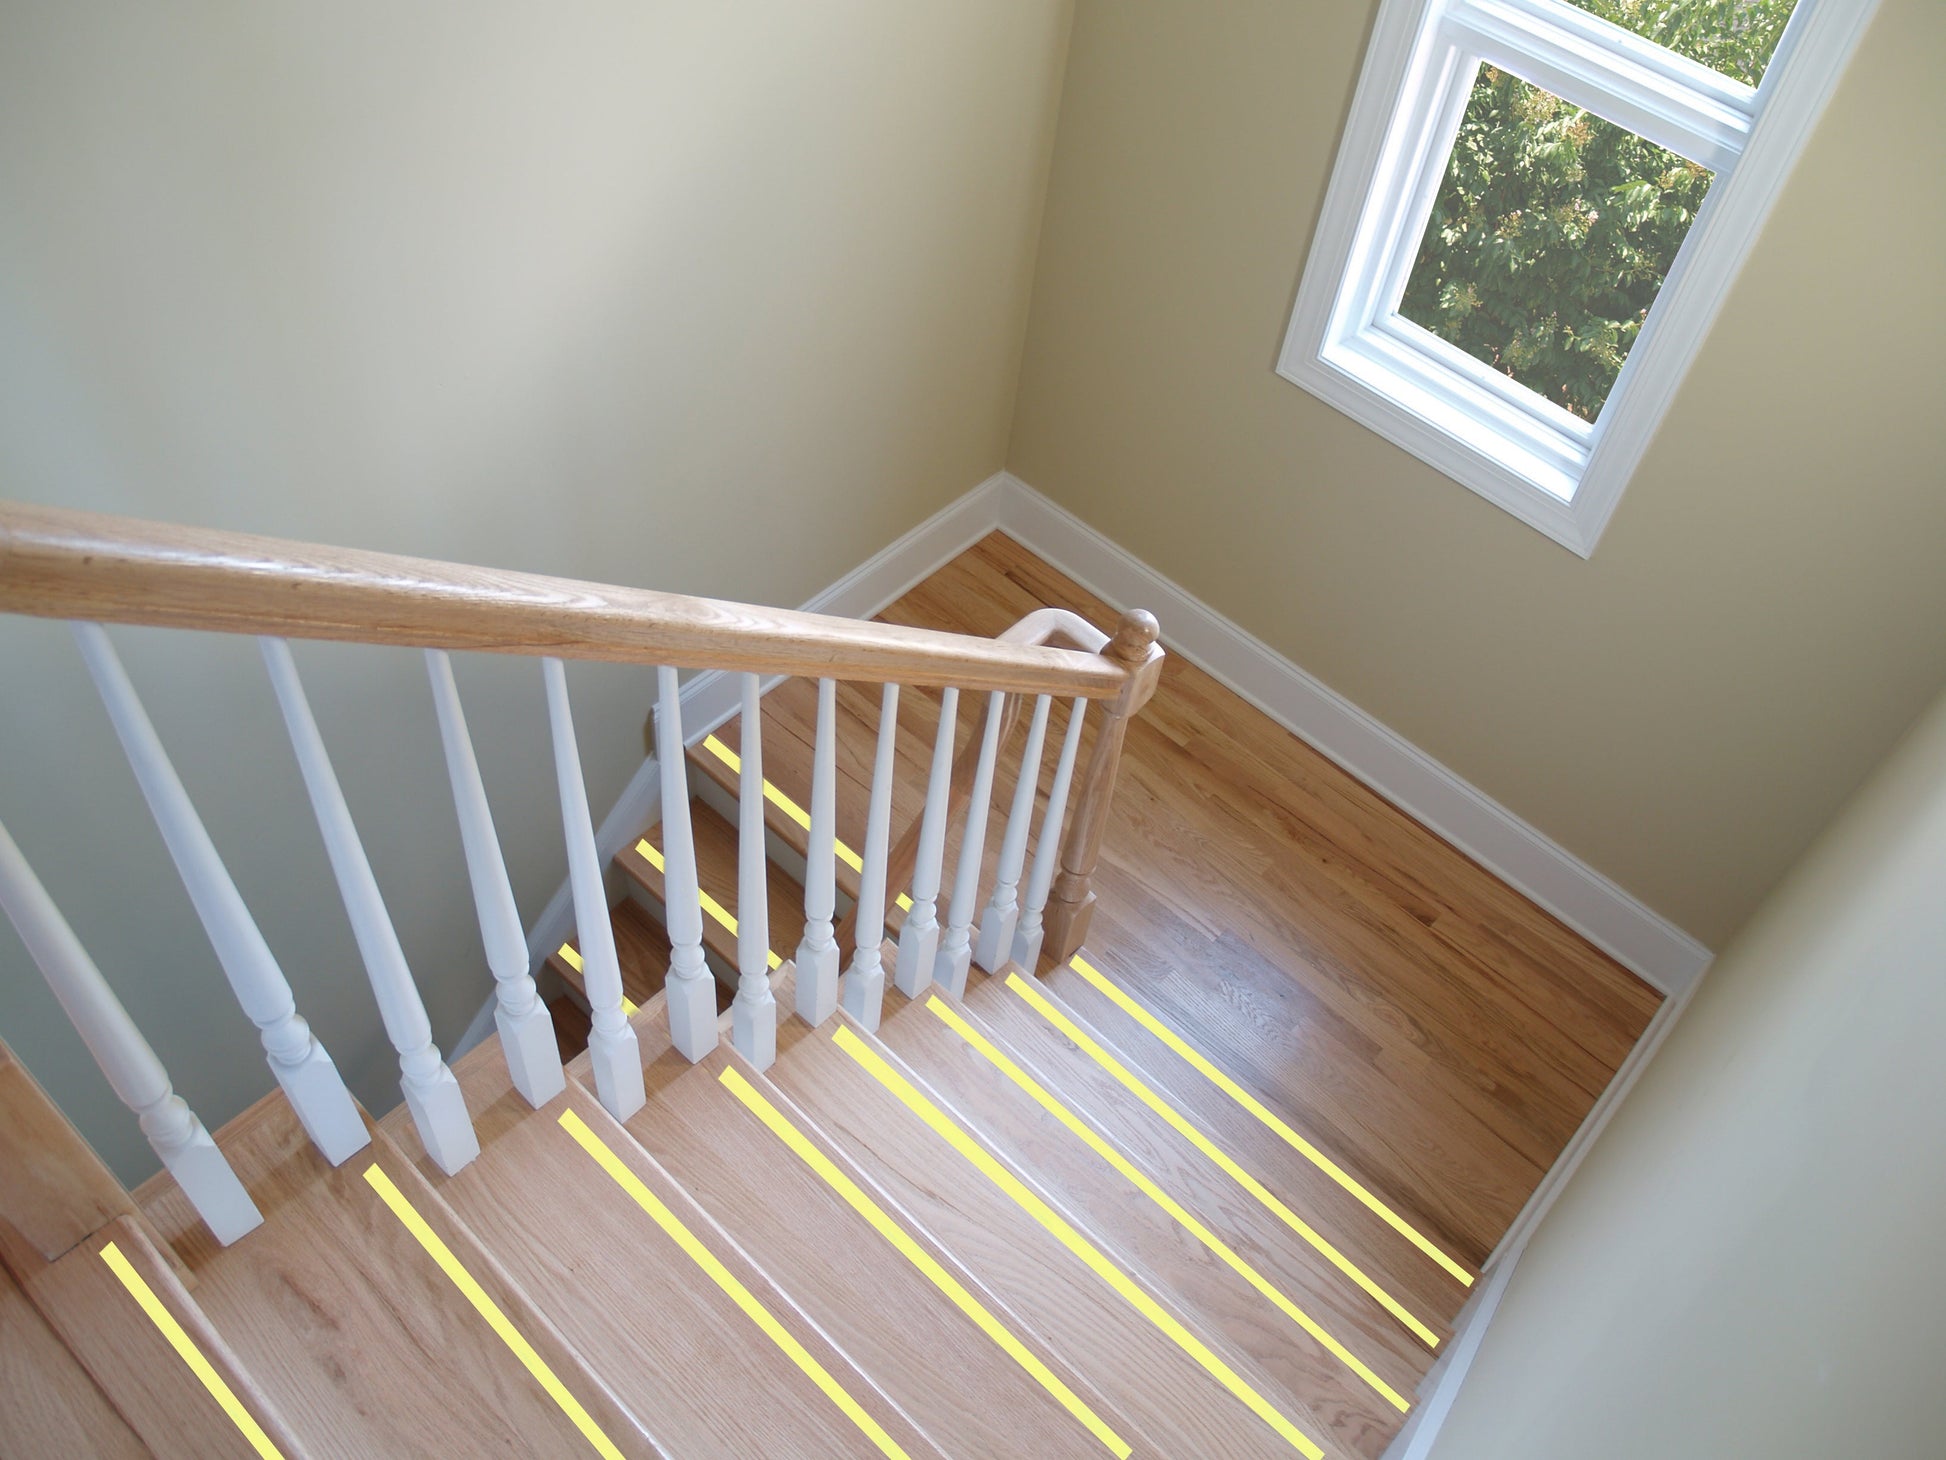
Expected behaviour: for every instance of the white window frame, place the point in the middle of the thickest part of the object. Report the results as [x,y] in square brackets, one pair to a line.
[1347,342]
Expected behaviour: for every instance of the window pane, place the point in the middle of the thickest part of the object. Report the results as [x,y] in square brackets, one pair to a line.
[1550,237]
[1735,37]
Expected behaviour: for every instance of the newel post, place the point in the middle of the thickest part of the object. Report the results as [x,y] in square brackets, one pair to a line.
[1072,904]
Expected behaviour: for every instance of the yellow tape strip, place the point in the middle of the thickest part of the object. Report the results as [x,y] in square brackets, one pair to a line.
[1134,1084]
[694,1249]
[1256,1107]
[710,905]
[791,809]
[186,1350]
[573,960]
[1148,1187]
[489,1310]
[854,1196]
[1080,1246]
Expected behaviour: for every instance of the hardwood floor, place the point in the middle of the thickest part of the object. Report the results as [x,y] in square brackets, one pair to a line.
[1423,1024]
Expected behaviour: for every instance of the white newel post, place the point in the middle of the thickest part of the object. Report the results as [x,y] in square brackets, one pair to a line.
[526,1031]
[919,933]
[303,1069]
[955,955]
[864,993]
[997,926]
[613,1049]
[431,1093]
[689,992]
[139,1081]
[1047,851]
[817,955]
[753,1014]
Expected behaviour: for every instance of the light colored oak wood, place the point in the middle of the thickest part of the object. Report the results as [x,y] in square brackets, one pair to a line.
[133,1364]
[57,1191]
[361,1341]
[673,1346]
[59,563]
[641,947]
[48,1404]
[1072,1312]
[927,1354]
[1295,1370]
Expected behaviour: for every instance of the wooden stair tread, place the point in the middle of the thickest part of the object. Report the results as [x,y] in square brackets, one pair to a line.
[1257,1234]
[48,1403]
[354,1332]
[670,1343]
[716,874]
[1252,1143]
[1298,1371]
[773,1203]
[641,949]
[133,1364]
[1072,1311]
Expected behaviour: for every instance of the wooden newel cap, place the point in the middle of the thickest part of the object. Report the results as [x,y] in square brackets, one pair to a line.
[1133,636]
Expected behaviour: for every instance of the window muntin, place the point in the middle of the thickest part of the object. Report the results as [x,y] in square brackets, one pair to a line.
[1550,237]
[1736,37]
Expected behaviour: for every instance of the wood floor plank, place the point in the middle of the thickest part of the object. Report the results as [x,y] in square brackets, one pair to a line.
[48,1404]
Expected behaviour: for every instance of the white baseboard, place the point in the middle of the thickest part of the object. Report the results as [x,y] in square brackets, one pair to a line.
[1602,912]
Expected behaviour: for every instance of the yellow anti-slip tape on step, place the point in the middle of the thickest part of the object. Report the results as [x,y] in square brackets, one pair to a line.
[186,1350]
[573,960]
[1143,1183]
[791,809]
[1137,1087]
[854,1196]
[715,909]
[489,1310]
[1058,1226]
[754,1309]
[1257,1108]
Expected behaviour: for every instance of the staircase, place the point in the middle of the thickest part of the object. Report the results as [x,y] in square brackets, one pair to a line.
[849,1148]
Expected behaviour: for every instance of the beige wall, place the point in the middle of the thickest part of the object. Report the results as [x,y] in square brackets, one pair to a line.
[1749,1263]
[1764,614]
[717,298]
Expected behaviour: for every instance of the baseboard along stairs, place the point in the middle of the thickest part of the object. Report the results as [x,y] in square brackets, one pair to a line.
[866,1125]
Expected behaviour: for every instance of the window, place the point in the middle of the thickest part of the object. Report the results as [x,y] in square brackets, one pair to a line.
[1537,208]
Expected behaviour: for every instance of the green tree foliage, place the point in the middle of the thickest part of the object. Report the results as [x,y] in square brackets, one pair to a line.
[1553,230]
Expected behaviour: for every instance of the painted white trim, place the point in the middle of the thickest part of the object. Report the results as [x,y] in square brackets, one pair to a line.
[1344,344]
[1563,884]
[1415,1441]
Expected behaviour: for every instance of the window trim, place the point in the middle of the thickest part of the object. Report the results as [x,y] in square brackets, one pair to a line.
[1346,344]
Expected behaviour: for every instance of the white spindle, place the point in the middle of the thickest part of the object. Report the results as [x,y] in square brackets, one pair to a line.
[865,979]
[178,1137]
[309,1080]
[817,955]
[919,933]
[612,1047]
[753,1016]
[689,991]
[1047,852]
[431,1093]
[997,926]
[526,1032]
[955,955]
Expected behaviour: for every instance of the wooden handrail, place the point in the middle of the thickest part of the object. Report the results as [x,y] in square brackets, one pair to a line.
[60,563]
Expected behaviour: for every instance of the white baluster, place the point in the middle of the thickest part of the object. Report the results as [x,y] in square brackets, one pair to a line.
[817,955]
[1047,852]
[309,1080]
[526,1031]
[431,1093]
[919,933]
[689,991]
[753,1015]
[955,955]
[865,980]
[613,1049]
[1003,908]
[139,1081]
